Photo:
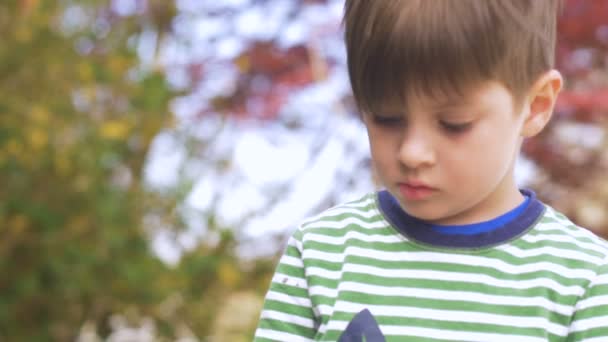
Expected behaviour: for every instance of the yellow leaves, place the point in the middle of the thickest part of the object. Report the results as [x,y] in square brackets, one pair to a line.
[114,129]
[82,183]
[14,148]
[85,71]
[23,34]
[28,6]
[40,115]
[228,274]
[243,63]
[37,138]
[17,224]
[62,164]
[118,65]
[79,224]
[35,135]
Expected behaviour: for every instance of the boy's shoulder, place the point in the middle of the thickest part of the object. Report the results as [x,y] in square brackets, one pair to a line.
[361,212]
[557,230]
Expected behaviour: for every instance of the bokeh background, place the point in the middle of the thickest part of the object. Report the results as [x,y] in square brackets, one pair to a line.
[155,154]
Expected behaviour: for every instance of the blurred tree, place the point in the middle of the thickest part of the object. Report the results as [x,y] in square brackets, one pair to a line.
[572,153]
[77,114]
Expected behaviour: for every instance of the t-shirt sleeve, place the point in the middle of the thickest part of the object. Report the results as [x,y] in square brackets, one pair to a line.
[287,314]
[590,322]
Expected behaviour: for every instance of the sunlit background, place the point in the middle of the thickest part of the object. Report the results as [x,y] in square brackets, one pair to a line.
[155,155]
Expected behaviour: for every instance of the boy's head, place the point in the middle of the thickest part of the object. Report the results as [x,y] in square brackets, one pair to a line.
[397,47]
[448,90]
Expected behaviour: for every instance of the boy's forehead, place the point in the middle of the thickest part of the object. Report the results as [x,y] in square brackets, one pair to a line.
[432,100]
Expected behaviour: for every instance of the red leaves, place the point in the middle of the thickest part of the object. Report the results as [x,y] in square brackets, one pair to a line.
[587,106]
[268,75]
[267,58]
[581,20]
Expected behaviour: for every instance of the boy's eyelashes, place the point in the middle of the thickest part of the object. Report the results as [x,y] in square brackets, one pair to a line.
[396,121]
[456,127]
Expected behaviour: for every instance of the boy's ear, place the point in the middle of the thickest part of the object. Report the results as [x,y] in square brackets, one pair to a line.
[540,102]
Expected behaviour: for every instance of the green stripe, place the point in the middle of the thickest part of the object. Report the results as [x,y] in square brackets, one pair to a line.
[596,311]
[447,325]
[402,247]
[525,245]
[445,286]
[290,270]
[351,227]
[293,291]
[288,308]
[287,328]
[460,268]
[591,333]
[450,305]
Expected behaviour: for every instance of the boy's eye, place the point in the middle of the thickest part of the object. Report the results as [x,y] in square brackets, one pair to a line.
[455,127]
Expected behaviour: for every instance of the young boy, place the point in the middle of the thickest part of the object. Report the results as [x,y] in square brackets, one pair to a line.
[452,250]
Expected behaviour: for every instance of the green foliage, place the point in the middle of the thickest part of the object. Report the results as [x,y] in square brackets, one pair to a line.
[74,134]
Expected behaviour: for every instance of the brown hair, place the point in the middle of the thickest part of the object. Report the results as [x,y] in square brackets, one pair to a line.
[438,47]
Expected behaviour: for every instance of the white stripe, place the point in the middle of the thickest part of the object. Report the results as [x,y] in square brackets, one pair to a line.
[551,251]
[443,334]
[592,302]
[589,323]
[326,310]
[466,296]
[363,202]
[280,336]
[566,225]
[359,206]
[576,235]
[287,279]
[460,259]
[448,276]
[456,316]
[284,298]
[285,317]
[318,290]
[515,251]
[294,243]
[344,223]
[353,235]
[367,213]
[291,261]
[456,335]
[602,279]
[557,216]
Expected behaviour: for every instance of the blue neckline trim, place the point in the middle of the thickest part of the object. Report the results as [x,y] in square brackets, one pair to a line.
[482,227]
[423,232]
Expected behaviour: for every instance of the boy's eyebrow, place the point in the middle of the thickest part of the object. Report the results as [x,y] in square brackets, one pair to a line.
[439,104]
[453,102]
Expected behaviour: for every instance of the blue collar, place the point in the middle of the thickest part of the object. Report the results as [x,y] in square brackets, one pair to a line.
[509,226]
[486,226]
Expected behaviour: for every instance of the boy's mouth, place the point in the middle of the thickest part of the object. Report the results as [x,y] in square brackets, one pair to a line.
[415,190]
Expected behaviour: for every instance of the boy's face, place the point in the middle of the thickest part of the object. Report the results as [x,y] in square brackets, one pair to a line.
[450,163]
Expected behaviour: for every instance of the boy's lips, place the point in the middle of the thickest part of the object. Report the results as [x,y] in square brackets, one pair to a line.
[414,190]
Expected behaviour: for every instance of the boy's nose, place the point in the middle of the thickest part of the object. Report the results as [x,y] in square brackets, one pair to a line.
[416,150]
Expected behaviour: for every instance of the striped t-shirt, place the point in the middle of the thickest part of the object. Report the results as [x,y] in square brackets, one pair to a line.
[365,271]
